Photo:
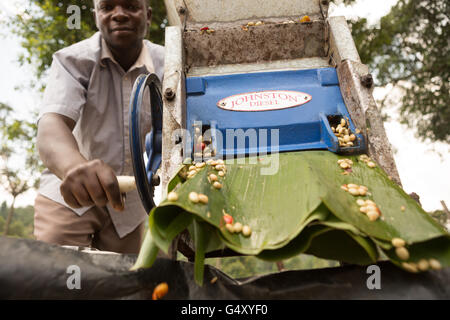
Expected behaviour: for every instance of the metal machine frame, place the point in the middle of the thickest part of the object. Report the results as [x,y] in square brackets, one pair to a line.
[212,38]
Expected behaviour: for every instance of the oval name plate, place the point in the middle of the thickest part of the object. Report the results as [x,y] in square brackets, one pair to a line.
[264,100]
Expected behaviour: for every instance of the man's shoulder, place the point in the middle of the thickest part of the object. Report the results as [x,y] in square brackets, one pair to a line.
[85,51]
[156,50]
[157,54]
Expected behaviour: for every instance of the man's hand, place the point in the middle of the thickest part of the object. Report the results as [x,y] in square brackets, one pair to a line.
[85,183]
[91,183]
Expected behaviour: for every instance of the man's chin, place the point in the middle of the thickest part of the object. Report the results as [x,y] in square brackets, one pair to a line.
[124,42]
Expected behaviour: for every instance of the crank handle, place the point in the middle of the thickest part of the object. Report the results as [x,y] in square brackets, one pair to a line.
[126,184]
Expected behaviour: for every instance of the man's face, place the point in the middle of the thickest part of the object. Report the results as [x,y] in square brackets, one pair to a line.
[122,23]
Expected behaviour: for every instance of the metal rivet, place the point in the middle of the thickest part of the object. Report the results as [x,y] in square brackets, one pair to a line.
[367,81]
[156,180]
[169,94]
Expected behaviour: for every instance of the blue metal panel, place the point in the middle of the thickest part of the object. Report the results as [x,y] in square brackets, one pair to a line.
[304,127]
[196,86]
[328,77]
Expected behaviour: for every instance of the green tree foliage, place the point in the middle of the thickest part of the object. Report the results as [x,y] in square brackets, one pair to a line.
[43,28]
[2,223]
[17,229]
[22,224]
[411,50]
[3,209]
[17,140]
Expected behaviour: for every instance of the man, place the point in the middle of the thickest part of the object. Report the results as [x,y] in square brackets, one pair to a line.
[83,133]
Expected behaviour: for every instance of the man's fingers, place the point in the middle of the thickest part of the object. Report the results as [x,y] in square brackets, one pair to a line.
[69,198]
[111,188]
[93,183]
[82,196]
[96,192]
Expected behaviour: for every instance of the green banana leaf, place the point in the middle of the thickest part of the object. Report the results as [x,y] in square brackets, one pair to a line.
[342,241]
[437,248]
[413,224]
[343,246]
[266,211]
[300,243]
[333,222]
[300,208]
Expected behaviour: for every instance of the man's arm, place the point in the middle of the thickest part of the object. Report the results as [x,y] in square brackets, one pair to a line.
[84,183]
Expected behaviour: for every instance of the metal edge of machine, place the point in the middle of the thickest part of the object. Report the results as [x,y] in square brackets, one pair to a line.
[356,86]
[355,80]
[174,99]
[197,12]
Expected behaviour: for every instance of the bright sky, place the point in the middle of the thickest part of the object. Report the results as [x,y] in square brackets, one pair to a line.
[421,170]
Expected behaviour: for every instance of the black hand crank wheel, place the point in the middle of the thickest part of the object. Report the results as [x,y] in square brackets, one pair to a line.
[144,175]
